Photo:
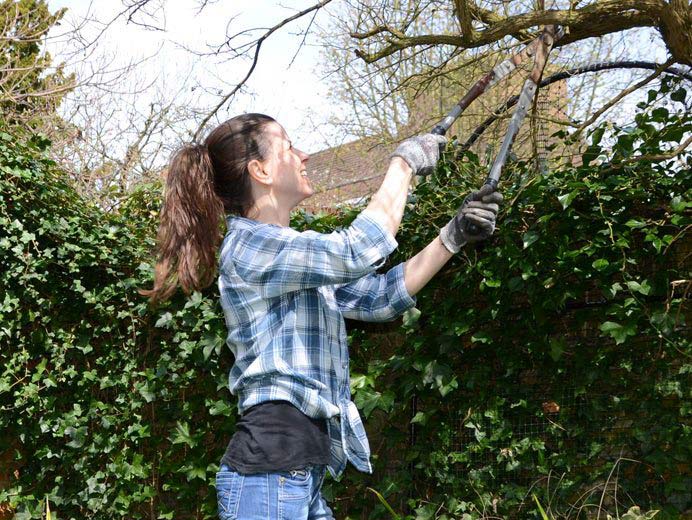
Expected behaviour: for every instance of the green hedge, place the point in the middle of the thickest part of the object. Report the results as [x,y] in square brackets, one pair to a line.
[571,318]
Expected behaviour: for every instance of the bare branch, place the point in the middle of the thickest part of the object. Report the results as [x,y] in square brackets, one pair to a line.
[464,17]
[258,46]
[560,76]
[612,102]
[662,156]
[593,20]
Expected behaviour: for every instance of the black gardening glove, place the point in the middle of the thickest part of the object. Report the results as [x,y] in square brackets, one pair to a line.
[479,208]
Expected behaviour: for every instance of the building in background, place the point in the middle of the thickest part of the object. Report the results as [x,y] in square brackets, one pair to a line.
[350,173]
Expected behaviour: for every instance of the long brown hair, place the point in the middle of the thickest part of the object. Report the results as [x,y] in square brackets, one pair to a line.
[204,182]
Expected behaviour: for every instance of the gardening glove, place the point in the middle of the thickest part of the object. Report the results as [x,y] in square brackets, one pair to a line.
[421,152]
[479,208]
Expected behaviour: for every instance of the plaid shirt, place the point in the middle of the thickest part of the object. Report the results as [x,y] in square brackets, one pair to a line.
[285,295]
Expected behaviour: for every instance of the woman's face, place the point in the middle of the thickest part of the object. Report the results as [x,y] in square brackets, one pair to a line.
[287,166]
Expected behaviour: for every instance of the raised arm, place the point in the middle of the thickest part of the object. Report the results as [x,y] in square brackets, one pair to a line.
[479,208]
[387,204]
[420,269]
[276,260]
[415,156]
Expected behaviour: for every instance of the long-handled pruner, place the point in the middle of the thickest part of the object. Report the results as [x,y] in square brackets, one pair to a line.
[539,50]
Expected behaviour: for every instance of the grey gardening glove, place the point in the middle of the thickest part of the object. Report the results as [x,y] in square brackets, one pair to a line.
[479,208]
[421,152]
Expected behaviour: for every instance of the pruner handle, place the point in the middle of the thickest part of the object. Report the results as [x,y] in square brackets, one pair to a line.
[471,228]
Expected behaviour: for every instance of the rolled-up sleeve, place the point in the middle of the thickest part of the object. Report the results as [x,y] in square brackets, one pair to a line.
[275,260]
[375,297]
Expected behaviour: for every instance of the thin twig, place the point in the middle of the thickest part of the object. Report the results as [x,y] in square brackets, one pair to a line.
[258,46]
[302,43]
[659,70]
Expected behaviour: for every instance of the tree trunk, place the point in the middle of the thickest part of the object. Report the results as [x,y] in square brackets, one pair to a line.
[676,30]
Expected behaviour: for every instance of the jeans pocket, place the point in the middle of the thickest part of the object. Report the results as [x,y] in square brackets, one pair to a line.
[228,487]
[295,485]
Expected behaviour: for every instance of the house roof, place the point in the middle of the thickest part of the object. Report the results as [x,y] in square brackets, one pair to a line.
[345,173]
[351,172]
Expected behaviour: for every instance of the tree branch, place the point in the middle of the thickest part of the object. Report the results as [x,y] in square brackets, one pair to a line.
[258,46]
[658,157]
[593,20]
[464,17]
[596,67]
[621,95]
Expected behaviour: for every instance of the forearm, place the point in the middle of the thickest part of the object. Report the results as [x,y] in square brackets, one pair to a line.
[388,203]
[421,268]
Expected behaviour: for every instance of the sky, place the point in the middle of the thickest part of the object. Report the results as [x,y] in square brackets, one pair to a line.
[291,90]
[294,91]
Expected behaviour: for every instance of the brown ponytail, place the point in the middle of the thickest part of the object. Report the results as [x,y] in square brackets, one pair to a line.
[204,181]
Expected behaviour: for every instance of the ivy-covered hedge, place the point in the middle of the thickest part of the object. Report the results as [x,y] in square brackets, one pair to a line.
[556,357]
[548,361]
[109,409]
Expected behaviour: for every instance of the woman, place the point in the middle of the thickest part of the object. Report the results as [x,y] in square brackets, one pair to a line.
[285,295]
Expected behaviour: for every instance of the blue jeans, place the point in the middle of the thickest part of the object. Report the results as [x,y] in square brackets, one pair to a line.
[290,495]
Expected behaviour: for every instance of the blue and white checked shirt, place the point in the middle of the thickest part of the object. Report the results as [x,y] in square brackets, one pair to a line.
[285,295]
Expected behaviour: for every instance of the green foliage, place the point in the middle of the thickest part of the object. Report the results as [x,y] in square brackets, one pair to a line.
[120,409]
[30,88]
[542,357]
[572,317]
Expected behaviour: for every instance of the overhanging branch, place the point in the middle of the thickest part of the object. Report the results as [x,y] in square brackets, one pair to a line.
[593,20]
[595,67]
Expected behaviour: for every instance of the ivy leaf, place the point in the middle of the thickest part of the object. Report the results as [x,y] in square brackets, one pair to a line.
[635,224]
[597,135]
[441,377]
[600,264]
[78,436]
[643,288]
[420,418]
[679,95]
[566,200]
[193,472]
[529,238]
[411,317]
[359,381]
[194,301]
[591,153]
[613,289]
[183,436]
[557,347]
[678,204]
[146,392]
[481,337]
[367,400]
[219,407]
[212,343]
[660,114]
[165,320]
[618,332]
[663,321]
